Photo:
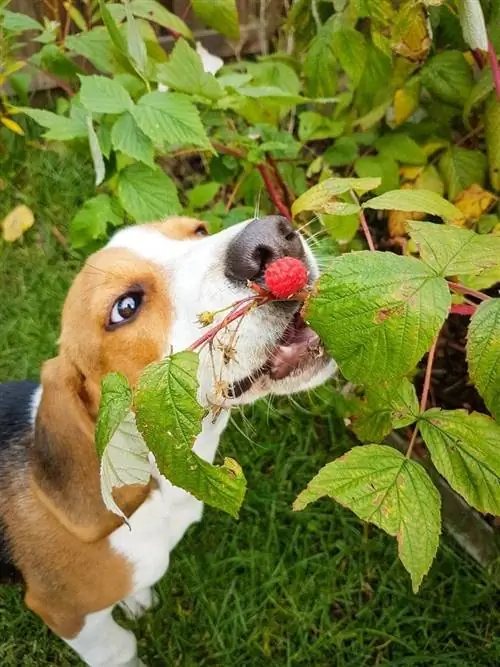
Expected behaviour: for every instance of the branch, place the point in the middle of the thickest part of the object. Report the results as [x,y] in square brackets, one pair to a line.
[494,67]
[366,229]
[462,309]
[462,289]
[425,392]
[240,308]
[289,195]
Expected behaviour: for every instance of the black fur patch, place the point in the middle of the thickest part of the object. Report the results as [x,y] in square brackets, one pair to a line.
[15,424]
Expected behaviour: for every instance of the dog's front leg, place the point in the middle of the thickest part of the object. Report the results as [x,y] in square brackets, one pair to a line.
[103,643]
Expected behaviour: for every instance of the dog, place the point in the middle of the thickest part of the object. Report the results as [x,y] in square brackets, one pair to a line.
[133,303]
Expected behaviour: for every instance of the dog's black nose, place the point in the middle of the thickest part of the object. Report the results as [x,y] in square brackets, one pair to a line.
[261,242]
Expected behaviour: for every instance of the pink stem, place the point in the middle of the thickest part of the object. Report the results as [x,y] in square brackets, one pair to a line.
[494,67]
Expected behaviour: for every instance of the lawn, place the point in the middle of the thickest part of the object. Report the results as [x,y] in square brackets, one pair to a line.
[278,588]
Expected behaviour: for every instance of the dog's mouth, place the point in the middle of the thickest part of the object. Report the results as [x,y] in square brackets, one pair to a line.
[297,349]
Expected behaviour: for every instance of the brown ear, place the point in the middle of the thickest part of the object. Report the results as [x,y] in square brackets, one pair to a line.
[64,461]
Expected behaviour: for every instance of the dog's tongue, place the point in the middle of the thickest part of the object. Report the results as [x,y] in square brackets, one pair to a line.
[297,344]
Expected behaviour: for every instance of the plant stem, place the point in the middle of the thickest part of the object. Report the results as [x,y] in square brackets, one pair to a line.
[494,67]
[366,229]
[463,309]
[462,289]
[239,310]
[425,392]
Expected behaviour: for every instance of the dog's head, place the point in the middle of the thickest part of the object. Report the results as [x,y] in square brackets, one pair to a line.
[140,298]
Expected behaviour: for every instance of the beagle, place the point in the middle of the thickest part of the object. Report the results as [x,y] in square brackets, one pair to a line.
[132,303]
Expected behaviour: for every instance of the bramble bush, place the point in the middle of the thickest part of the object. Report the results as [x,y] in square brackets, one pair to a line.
[371,122]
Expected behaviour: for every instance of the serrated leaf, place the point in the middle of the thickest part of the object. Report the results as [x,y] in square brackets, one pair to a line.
[462,168]
[100,94]
[115,404]
[400,147]
[341,228]
[96,153]
[424,201]
[481,90]
[184,72]
[344,151]
[452,250]
[320,63]
[135,43]
[448,77]
[169,418]
[464,448]
[396,305]
[15,223]
[91,221]
[381,486]
[124,461]
[203,194]
[128,138]
[96,46]
[222,15]
[17,23]
[319,197]
[483,353]
[154,11]
[147,194]
[170,118]
[492,136]
[314,126]
[386,406]
[113,31]
[411,32]
[59,127]
[349,48]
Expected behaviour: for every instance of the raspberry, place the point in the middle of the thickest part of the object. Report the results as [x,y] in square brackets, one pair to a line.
[285,277]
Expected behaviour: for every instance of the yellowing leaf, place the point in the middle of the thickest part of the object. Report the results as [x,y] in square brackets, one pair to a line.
[412,33]
[406,101]
[12,125]
[17,222]
[473,202]
[398,219]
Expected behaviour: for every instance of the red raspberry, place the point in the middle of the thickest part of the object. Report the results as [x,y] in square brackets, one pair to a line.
[285,277]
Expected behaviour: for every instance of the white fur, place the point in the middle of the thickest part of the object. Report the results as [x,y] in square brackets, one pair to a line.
[195,281]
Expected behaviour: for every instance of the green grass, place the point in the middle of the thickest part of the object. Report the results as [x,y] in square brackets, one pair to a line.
[275,588]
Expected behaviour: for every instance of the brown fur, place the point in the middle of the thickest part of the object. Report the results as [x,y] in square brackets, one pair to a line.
[55,519]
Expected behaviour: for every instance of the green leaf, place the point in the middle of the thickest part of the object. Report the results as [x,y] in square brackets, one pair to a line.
[379,166]
[492,136]
[396,305]
[203,194]
[320,67]
[349,48]
[464,448]
[147,194]
[91,221]
[450,250]
[341,228]
[448,77]
[344,151]
[425,201]
[135,43]
[96,46]
[481,90]
[170,118]
[400,147]
[124,461]
[184,72]
[60,128]
[154,11]
[100,94]
[314,126]
[483,353]
[113,30]
[222,15]
[386,406]
[95,152]
[319,197]
[116,402]
[128,138]
[17,23]
[381,486]
[169,418]
[462,168]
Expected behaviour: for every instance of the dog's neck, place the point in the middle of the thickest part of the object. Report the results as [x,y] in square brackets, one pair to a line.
[208,440]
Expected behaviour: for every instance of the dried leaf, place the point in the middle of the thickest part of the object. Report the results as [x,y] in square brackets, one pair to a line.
[17,222]
[473,202]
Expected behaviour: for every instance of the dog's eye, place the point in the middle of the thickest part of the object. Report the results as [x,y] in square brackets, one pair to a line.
[125,308]
[201,231]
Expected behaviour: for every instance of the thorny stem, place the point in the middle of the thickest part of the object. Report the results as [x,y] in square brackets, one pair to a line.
[462,289]
[265,175]
[425,392]
[289,195]
[238,311]
[463,309]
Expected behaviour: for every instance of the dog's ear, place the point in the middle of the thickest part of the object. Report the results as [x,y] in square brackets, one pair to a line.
[64,461]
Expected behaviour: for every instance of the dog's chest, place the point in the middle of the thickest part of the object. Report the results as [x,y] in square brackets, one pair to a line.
[161,521]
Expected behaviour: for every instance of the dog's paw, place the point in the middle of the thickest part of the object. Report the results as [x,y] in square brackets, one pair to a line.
[135,606]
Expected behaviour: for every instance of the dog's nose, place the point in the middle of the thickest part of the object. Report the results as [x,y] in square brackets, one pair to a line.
[261,242]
